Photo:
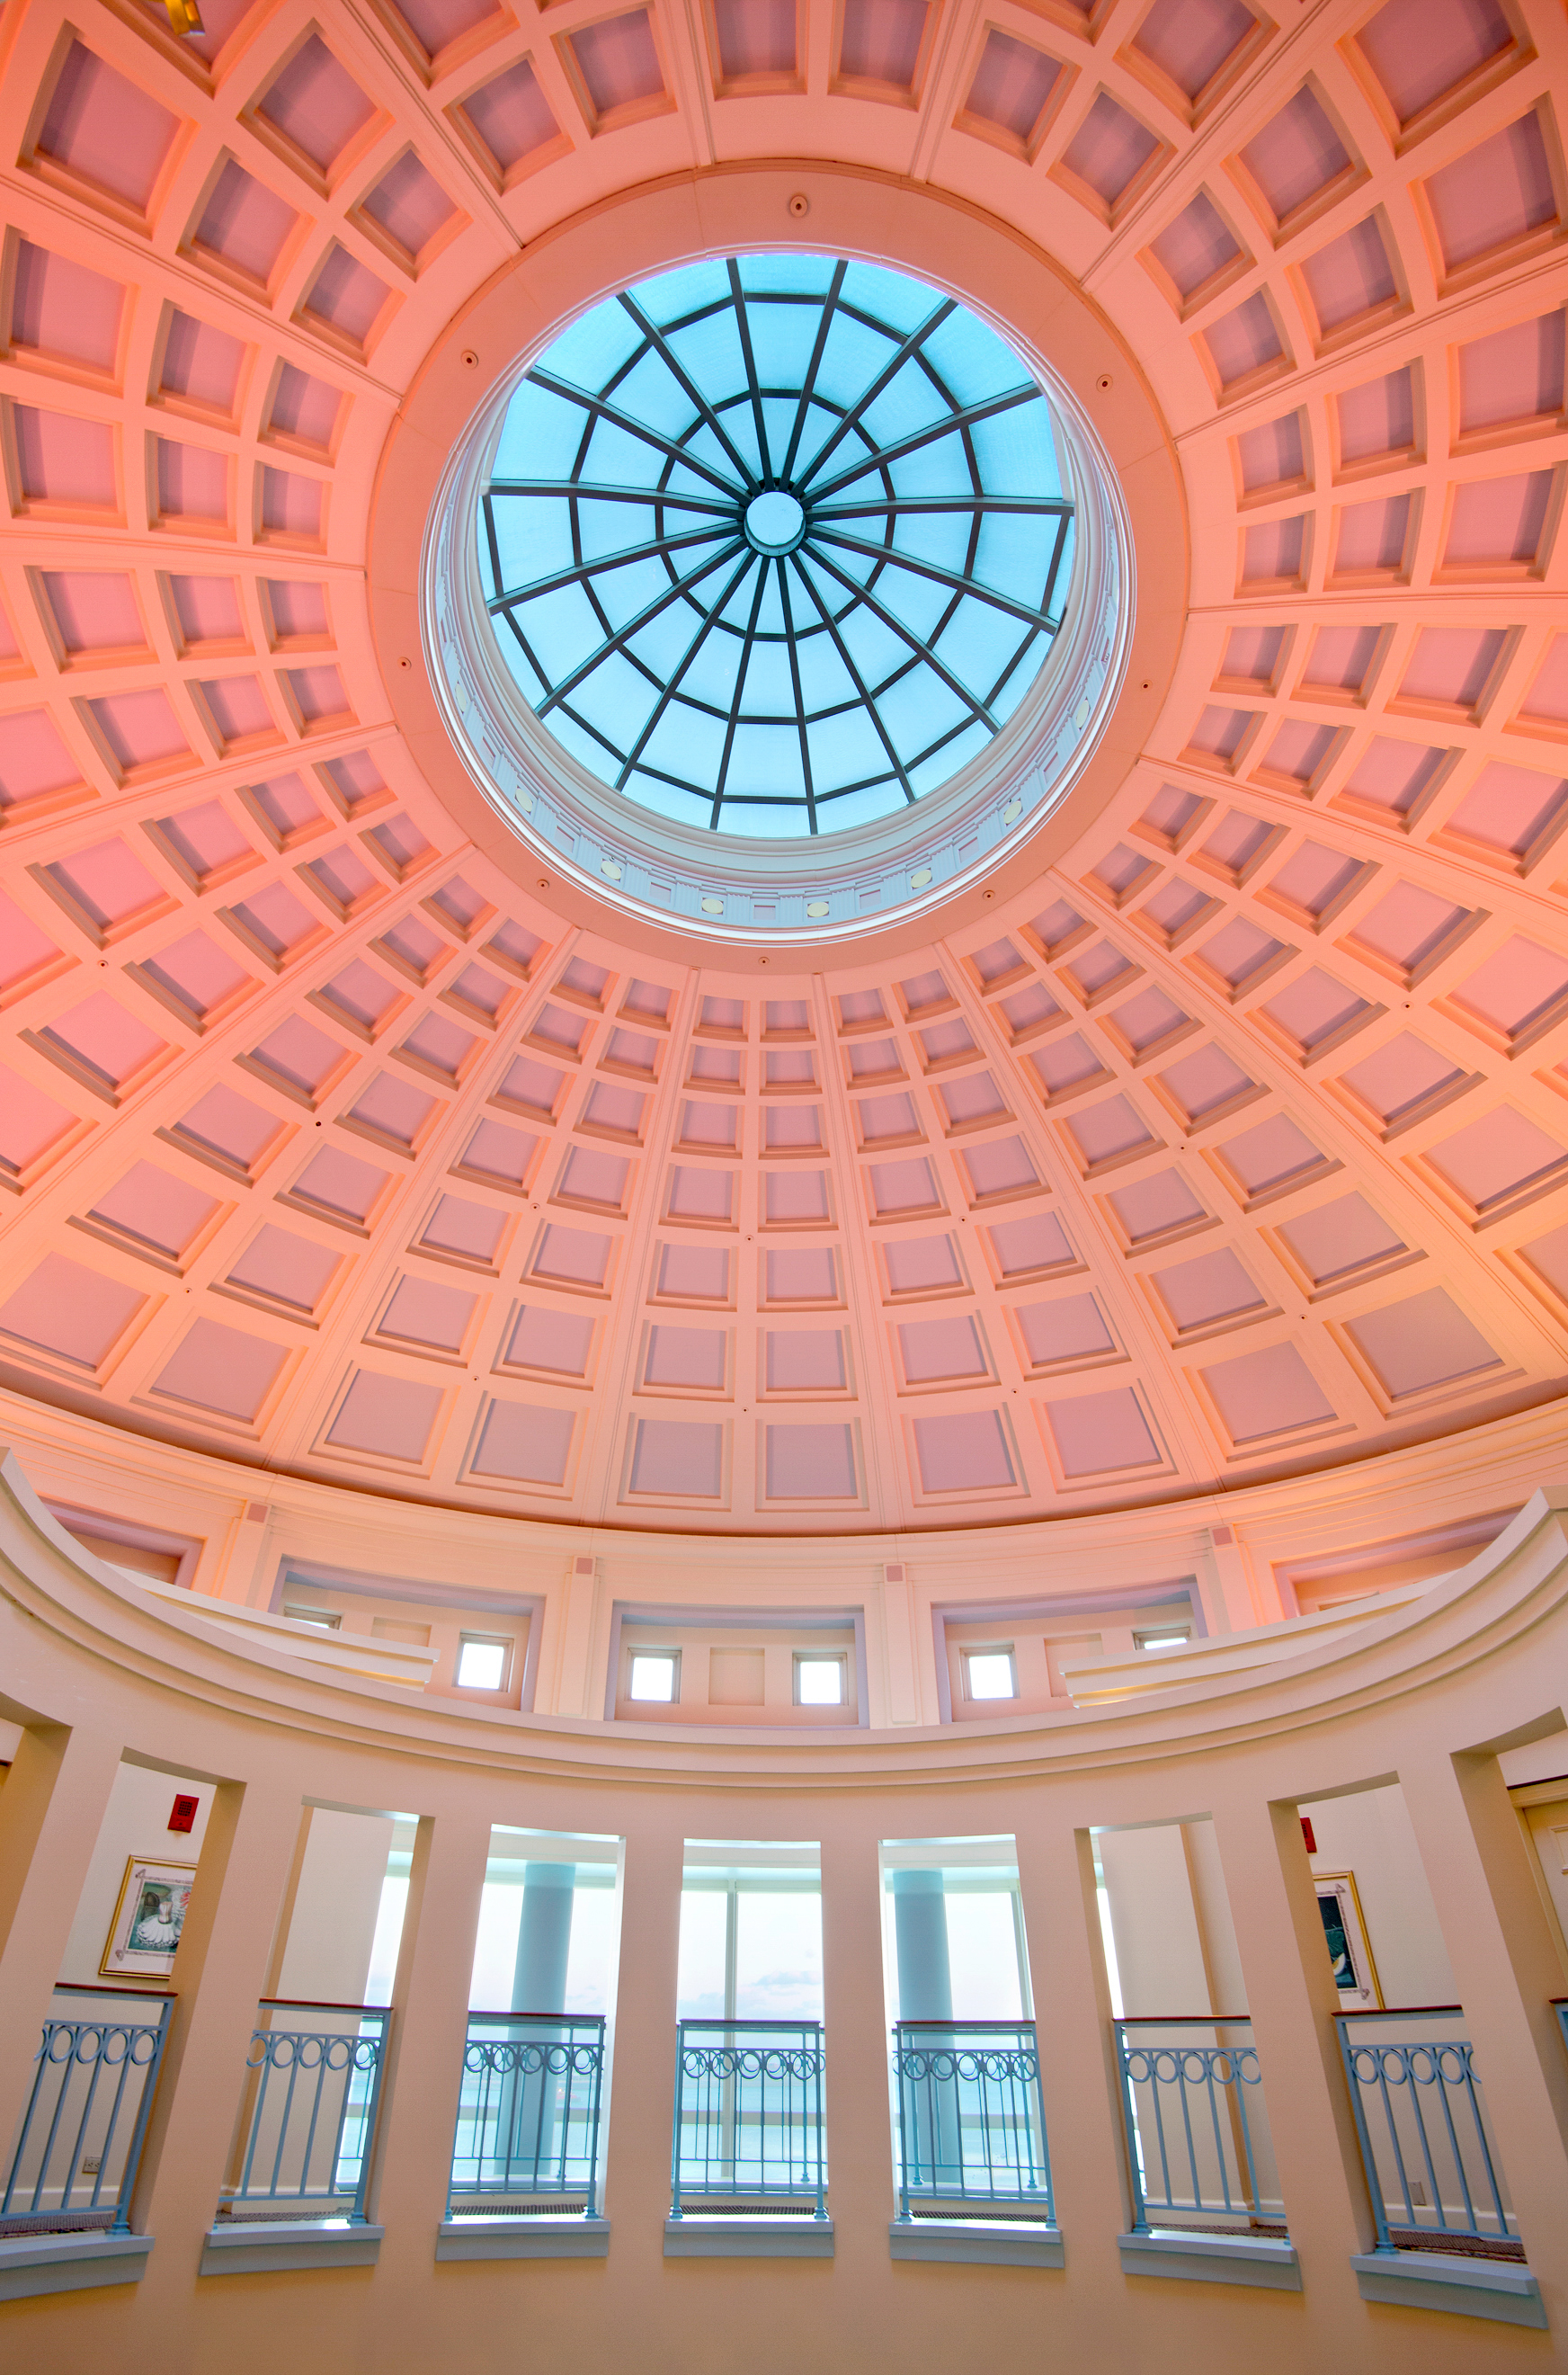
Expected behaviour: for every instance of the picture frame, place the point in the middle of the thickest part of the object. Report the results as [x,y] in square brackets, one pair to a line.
[148,1919]
[1350,1949]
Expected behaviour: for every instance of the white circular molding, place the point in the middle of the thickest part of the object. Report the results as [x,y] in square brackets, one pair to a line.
[1055,762]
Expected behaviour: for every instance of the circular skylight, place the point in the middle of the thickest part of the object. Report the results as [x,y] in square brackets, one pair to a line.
[776,595]
[775,546]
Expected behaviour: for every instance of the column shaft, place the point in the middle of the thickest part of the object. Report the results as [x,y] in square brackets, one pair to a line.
[219,1972]
[51,1811]
[1493,1925]
[1292,1999]
[1078,2061]
[860,2143]
[429,2022]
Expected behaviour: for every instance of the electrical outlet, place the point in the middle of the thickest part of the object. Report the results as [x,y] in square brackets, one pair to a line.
[92,2165]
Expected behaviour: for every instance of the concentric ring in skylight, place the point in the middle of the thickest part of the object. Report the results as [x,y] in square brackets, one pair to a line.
[775,546]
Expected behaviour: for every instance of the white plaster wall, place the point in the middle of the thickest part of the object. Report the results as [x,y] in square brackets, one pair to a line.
[1154,1921]
[1371,1835]
[327,1956]
[135,1822]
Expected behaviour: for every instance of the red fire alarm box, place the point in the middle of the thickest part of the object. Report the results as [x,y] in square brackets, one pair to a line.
[183,1818]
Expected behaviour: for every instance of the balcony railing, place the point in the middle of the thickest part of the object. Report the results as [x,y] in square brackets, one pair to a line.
[308,2114]
[1431,2162]
[528,2116]
[747,2114]
[1197,2139]
[79,2140]
[972,2127]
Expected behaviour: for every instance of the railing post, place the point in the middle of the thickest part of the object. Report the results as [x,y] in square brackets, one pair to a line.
[1293,2004]
[1507,1971]
[1079,2077]
[51,1810]
[217,1976]
[420,2086]
[858,2135]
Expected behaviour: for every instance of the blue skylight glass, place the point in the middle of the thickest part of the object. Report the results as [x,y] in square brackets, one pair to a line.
[775,546]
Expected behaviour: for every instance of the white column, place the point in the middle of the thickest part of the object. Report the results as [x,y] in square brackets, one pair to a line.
[920,1945]
[1291,1998]
[1507,1971]
[50,1812]
[430,2025]
[859,2131]
[1077,2059]
[637,2161]
[219,1973]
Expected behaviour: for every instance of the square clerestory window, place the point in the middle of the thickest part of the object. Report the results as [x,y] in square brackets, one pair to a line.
[821,1681]
[990,1673]
[484,1661]
[655,1675]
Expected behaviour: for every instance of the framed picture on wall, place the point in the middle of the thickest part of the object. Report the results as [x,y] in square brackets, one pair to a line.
[147,1920]
[1344,1932]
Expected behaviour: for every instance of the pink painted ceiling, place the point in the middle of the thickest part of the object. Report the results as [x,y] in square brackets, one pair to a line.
[1237,1141]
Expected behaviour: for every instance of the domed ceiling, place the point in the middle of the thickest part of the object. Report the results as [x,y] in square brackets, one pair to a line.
[1228,1134]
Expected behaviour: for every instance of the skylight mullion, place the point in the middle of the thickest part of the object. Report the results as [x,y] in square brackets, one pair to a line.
[918,568]
[744,327]
[526,647]
[719,506]
[987,408]
[891,619]
[748,639]
[687,385]
[618,640]
[884,379]
[829,306]
[1018,652]
[670,690]
[799,697]
[654,547]
[602,410]
[491,538]
[977,480]
[1041,506]
[1055,571]
[859,683]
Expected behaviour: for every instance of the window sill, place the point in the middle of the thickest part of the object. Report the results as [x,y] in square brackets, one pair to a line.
[30,2264]
[248,2247]
[977,2242]
[695,2236]
[532,2238]
[1501,2290]
[1262,2260]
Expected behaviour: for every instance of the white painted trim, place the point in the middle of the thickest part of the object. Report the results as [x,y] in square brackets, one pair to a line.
[252,2247]
[30,2264]
[1501,2290]
[977,2242]
[1258,2260]
[700,2237]
[523,2238]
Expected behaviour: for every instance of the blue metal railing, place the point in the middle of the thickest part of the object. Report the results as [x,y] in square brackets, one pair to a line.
[972,2126]
[1194,2112]
[749,2112]
[528,2113]
[1431,2165]
[80,2137]
[307,2119]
